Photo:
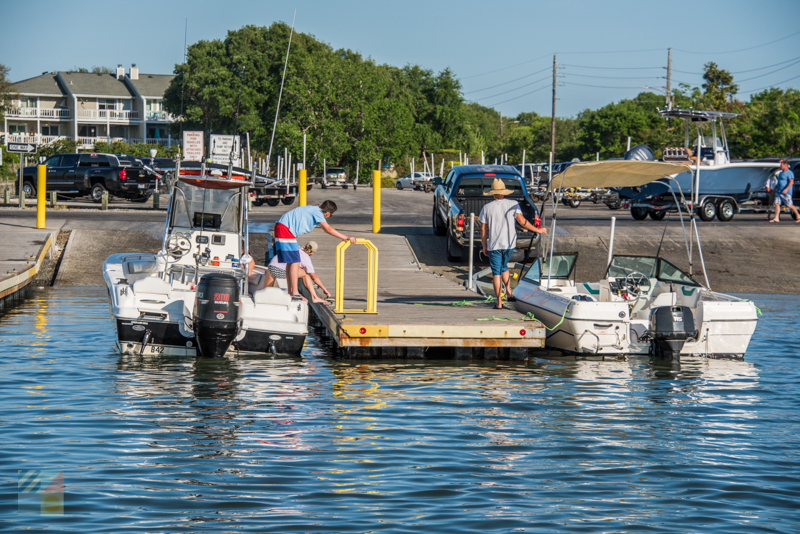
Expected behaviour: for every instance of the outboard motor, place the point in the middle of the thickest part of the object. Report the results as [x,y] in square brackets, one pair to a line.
[216,314]
[640,153]
[670,327]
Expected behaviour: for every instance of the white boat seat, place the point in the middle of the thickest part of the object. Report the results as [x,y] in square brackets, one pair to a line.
[272,295]
[664,299]
[140,267]
[153,286]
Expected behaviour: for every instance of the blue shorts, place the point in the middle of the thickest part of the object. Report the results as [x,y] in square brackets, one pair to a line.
[498,260]
[784,198]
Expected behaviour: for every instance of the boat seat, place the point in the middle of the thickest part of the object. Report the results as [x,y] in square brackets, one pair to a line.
[153,286]
[272,295]
[664,299]
[140,267]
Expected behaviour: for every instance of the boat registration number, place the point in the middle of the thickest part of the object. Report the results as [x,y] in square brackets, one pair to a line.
[155,349]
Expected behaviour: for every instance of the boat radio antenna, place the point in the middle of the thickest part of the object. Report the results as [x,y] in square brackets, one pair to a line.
[280,93]
[238,101]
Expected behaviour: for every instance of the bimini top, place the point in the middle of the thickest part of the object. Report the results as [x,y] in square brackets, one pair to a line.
[615,173]
[695,115]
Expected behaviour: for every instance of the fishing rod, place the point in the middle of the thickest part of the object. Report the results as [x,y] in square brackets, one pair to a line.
[280,93]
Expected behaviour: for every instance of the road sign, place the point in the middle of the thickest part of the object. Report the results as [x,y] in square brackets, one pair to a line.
[193,146]
[220,148]
[22,148]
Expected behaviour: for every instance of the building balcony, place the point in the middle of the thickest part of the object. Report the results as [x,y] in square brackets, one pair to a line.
[38,139]
[39,113]
[163,142]
[159,116]
[108,115]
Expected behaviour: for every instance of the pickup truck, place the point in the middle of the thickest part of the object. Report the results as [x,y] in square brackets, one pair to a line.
[92,174]
[462,193]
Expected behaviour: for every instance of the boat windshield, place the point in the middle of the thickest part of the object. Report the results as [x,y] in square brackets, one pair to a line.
[563,268]
[218,211]
[661,269]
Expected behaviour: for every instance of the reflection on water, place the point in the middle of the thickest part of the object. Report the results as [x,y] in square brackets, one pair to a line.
[315,444]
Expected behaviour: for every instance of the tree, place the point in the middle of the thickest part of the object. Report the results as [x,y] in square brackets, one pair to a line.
[7,91]
[95,70]
[718,86]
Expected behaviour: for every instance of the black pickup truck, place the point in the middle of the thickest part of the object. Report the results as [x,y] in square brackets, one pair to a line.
[73,175]
[462,193]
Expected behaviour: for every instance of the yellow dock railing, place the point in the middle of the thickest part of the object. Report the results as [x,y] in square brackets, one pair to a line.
[372,277]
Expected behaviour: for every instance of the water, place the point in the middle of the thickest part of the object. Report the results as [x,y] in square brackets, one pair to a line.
[311,444]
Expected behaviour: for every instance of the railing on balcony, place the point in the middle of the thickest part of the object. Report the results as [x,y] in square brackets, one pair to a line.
[50,113]
[108,114]
[158,116]
[36,138]
[164,142]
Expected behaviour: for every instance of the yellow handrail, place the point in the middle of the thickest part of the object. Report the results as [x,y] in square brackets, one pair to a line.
[372,277]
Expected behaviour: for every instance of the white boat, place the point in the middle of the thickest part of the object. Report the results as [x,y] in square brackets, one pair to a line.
[643,305]
[193,296]
[709,181]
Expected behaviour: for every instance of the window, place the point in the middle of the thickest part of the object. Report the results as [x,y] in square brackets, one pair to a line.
[50,130]
[26,102]
[52,161]
[69,160]
[153,105]
[16,128]
[669,273]
[622,266]
[108,104]
[87,131]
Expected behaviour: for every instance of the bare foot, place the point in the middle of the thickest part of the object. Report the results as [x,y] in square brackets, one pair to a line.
[319,301]
[773,220]
[298,296]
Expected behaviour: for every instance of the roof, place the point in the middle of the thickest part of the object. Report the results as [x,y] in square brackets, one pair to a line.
[485,169]
[45,84]
[88,83]
[695,115]
[152,84]
[615,173]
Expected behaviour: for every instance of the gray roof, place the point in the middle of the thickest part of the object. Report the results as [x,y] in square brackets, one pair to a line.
[152,84]
[87,83]
[43,85]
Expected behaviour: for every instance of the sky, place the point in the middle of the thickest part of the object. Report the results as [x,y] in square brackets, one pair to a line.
[502,51]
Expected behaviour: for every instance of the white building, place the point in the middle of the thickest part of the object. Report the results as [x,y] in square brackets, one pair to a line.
[90,108]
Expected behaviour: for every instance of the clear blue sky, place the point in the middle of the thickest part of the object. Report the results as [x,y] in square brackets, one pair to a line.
[624,43]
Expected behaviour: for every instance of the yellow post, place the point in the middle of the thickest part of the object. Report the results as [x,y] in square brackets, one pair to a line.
[376,199]
[372,277]
[41,195]
[301,187]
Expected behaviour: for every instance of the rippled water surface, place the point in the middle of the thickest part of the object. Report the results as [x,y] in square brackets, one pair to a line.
[315,444]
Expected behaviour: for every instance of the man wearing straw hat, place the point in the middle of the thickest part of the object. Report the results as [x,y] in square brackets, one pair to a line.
[499,235]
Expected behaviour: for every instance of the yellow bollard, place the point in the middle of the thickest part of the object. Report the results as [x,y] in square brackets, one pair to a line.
[376,200]
[41,195]
[301,187]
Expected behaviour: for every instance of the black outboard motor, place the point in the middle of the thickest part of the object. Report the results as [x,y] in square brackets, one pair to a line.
[216,314]
[670,327]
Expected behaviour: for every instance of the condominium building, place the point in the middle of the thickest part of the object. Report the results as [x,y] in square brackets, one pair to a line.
[90,108]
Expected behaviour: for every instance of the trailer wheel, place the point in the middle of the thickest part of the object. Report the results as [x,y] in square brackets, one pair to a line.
[614,204]
[658,215]
[344,186]
[287,201]
[574,202]
[273,202]
[726,210]
[708,211]
[258,202]
[639,214]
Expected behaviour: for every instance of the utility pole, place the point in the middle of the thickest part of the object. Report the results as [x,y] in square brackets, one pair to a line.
[669,75]
[553,118]
[501,130]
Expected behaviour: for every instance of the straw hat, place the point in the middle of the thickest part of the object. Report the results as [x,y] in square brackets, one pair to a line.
[499,188]
[311,245]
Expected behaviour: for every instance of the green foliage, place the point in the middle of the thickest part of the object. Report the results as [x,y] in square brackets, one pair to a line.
[60,146]
[719,86]
[7,92]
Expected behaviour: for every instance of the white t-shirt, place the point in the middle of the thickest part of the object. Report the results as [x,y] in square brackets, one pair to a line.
[305,262]
[500,215]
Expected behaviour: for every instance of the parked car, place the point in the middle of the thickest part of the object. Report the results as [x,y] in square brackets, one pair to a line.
[462,193]
[92,174]
[335,176]
[415,181]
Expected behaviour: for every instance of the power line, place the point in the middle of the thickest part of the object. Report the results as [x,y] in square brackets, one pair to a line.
[610,68]
[520,96]
[504,68]
[601,86]
[768,86]
[616,77]
[735,51]
[510,81]
[767,67]
[771,72]
[516,88]
[617,51]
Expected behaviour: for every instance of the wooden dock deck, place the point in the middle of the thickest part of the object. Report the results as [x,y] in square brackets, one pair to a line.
[415,308]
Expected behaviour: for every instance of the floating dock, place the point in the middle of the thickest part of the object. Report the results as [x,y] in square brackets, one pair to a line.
[416,310]
[24,249]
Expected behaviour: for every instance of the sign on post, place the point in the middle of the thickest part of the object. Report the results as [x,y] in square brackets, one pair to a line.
[220,147]
[22,148]
[193,146]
